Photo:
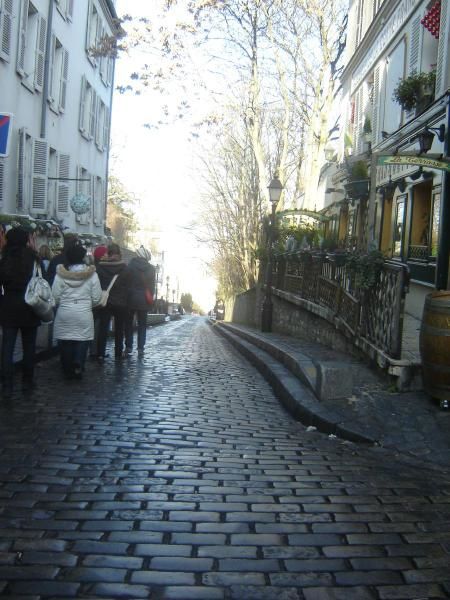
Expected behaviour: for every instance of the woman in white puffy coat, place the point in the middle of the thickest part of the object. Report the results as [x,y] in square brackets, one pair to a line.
[76,290]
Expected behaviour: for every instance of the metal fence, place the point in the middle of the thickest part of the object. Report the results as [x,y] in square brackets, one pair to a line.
[374,315]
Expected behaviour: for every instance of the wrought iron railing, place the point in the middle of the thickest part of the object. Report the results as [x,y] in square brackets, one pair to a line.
[374,315]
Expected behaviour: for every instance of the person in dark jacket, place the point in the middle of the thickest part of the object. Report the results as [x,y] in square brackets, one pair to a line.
[109,266]
[60,259]
[16,269]
[141,292]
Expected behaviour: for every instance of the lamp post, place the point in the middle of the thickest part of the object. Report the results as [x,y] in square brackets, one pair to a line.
[167,288]
[275,189]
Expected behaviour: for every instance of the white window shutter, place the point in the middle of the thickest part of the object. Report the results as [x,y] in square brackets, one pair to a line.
[106,128]
[82,119]
[2,180]
[376,104]
[40,54]
[39,177]
[442,58]
[88,26]
[6,16]
[93,114]
[69,13]
[110,71]
[20,65]
[21,193]
[62,202]
[63,81]
[51,75]
[98,201]
[357,122]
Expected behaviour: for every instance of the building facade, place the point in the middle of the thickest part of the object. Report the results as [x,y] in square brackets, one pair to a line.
[56,97]
[388,188]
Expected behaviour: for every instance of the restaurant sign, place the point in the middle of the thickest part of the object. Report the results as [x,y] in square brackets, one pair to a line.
[420,161]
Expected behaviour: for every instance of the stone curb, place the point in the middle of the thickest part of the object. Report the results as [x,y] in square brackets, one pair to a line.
[297,399]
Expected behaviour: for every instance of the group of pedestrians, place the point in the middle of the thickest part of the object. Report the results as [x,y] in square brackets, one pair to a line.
[82,314]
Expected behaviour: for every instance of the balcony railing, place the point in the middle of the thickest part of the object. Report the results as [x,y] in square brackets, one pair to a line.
[373,315]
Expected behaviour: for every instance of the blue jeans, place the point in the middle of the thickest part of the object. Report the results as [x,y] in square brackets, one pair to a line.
[141,317]
[73,355]
[29,349]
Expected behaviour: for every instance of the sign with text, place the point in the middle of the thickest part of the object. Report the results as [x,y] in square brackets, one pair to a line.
[420,161]
[5,132]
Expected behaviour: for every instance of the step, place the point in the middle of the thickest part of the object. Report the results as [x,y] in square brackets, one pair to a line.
[295,396]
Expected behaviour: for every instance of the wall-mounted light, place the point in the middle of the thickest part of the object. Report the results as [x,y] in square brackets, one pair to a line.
[426,137]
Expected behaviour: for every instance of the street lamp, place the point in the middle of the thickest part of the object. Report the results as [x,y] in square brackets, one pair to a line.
[167,288]
[275,189]
[156,281]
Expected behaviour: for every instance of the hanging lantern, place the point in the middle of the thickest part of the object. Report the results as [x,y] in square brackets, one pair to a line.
[80,204]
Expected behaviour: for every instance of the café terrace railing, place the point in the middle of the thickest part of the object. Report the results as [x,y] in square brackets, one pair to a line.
[372,318]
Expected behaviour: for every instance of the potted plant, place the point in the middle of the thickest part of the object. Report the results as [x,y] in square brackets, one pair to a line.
[358,176]
[415,91]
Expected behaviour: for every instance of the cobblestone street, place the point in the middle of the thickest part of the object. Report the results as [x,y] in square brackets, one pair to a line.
[181,477]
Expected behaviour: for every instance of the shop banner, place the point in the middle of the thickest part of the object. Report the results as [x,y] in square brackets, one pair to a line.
[420,161]
[5,132]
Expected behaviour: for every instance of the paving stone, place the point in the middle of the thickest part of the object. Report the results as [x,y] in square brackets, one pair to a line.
[406,592]
[187,479]
[342,593]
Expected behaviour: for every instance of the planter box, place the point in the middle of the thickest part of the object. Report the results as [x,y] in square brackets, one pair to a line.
[358,189]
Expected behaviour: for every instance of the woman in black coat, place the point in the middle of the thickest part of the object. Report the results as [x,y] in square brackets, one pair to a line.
[142,285]
[16,269]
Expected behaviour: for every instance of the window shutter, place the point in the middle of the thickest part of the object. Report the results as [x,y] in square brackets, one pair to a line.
[106,128]
[88,26]
[368,14]
[21,171]
[442,58]
[109,70]
[415,45]
[375,104]
[62,205]
[98,201]
[40,54]
[39,181]
[82,105]
[357,122]
[6,29]
[69,13]
[2,179]
[20,65]
[93,114]
[51,75]
[63,82]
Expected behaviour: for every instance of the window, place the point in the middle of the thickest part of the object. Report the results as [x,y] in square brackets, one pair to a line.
[6,10]
[84,186]
[394,71]
[33,159]
[31,48]
[59,65]
[99,202]
[65,7]
[62,205]
[88,105]
[399,227]
[435,223]
[102,126]
[93,31]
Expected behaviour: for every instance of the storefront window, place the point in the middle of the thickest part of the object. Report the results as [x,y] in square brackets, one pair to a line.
[399,227]
[435,219]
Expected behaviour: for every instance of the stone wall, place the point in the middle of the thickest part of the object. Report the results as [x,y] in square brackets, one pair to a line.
[291,316]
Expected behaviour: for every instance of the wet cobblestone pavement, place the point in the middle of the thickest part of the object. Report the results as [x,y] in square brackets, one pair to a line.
[181,477]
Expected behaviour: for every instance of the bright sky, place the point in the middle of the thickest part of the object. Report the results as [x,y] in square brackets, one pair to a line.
[158,166]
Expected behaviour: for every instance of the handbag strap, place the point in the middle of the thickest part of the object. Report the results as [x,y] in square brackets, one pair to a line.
[113,281]
[37,272]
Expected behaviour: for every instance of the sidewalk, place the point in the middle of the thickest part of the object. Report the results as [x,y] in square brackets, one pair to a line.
[342,396]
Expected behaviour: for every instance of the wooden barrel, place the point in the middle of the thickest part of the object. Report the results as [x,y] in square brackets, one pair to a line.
[435,345]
